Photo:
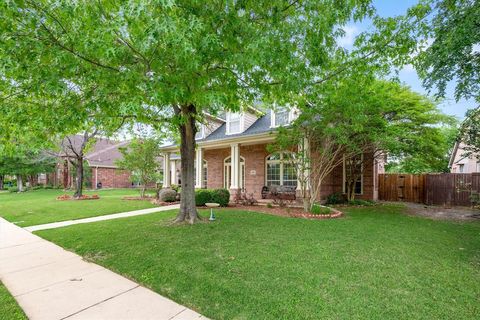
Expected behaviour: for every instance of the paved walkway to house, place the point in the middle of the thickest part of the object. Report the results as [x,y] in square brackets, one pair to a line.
[100,218]
[51,283]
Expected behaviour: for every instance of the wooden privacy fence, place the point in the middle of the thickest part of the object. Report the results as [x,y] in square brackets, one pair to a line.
[448,189]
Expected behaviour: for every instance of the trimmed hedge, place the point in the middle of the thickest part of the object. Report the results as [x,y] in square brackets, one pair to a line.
[220,196]
[202,196]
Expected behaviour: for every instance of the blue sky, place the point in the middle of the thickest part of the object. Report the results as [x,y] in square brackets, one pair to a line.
[408,75]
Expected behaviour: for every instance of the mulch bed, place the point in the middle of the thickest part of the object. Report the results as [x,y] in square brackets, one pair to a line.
[294,212]
[162,203]
[66,197]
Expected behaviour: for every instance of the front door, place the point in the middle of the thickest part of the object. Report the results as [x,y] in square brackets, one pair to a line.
[227,173]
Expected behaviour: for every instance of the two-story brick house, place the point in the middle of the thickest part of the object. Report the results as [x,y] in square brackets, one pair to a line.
[232,151]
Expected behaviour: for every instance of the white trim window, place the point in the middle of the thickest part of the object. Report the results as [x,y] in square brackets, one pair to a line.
[461,168]
[234,122]
[478,166]
[201,132]
[359,166]
[279,171]
[282,116]
[227,173]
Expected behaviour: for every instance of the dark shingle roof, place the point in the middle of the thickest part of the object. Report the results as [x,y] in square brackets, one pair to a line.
[261,125]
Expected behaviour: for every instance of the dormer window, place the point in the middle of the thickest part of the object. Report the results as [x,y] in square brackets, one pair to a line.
[282,117]
[201,132]
[234,123]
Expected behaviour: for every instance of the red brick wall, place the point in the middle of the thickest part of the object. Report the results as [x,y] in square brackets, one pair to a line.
[215,160]
[111,178]
[255,172]
[254,168]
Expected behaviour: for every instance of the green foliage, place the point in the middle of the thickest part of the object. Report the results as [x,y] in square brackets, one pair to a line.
[140,157]
[13,189]
[318,209]
[335,198]
[221,196]
[269,205]
[435,161]
[470,133]
[453,54]
[203,196]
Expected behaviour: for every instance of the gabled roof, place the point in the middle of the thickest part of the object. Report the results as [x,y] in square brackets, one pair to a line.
[261,125]
[107,156]
[103,153]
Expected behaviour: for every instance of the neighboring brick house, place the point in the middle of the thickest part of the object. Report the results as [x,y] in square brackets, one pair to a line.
[232,151]
[101,161]
[460,163]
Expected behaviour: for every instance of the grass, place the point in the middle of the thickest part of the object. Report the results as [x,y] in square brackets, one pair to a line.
[9,309]
[40,206]
[376,263]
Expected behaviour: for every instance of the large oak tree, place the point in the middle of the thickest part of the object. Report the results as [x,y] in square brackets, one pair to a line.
[170,61]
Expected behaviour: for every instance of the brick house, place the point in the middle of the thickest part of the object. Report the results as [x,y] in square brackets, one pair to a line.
[232,151]
[101,162]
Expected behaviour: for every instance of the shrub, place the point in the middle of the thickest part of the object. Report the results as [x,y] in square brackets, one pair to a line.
[221,196]
[48,186]
[335,198]
[13,189]
[167,195]
[318,209]
[203,196]
[269,205]
[37,187]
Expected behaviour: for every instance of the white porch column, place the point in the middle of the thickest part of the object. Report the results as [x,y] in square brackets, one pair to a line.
[173,172]
[166,170]
[304,148]
[235,167]
[199,168]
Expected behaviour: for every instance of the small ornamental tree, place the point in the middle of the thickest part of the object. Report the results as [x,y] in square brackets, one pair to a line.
[355,117]
[74,149]
[141,157]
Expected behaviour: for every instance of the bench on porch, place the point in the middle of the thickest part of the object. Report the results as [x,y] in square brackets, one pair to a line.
[279,192]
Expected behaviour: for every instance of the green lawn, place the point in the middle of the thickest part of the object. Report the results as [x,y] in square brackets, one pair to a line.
[9,309]
[40,206]
[375,263]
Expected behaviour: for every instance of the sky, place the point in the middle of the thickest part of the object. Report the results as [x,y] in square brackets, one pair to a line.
[408,75]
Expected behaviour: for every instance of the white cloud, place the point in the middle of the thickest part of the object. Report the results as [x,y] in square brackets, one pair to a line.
[347,40]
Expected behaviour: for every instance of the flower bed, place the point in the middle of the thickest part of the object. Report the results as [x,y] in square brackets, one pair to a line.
[294,212]
[65,197]
[334,214]
[163,203]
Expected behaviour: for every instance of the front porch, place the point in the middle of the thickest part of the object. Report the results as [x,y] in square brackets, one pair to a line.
[246,166]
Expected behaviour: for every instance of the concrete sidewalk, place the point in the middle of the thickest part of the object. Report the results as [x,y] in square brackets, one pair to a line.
[51,283]
[100,218]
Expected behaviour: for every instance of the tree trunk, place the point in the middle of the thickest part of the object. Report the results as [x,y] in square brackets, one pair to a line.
[306,204]
[20,183]
[79,179]
[142,193]
[1,181]
[188,210]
